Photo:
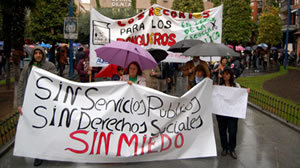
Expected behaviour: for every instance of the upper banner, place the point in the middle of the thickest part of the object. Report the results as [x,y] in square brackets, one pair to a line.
[112,121]
[156,27]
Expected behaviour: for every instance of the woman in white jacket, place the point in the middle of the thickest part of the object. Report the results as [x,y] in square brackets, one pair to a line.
[134,75]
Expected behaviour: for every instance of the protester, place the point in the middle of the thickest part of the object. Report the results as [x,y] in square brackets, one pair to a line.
[38,60]
[152,77]
[84,70]
[134,75]
[62,59]
[189,69]
[264,57]
[2,63]
[218,70]
[226,123]
[117,77]
[79,55]
[237,66]
[199,74]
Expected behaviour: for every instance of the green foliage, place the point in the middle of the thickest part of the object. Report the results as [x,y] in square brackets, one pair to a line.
[98,3]
[270,27]
[272,3]
[236,21]
[216,3]
[118,13]
[133,4]
[256,83]
[47,23]
[153,2]
[83,28]
[189,6]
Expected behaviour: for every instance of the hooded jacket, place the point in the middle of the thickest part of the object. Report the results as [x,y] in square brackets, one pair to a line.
[44,64]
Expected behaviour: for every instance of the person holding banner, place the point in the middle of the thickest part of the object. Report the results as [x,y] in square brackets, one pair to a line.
[189,70]
[83,68]
[134,75]
[39,60]
[226,123]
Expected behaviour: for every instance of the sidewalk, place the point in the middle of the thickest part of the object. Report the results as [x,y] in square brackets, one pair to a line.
[262,142]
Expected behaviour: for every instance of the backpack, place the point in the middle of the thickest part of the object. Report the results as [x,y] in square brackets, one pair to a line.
[237,68]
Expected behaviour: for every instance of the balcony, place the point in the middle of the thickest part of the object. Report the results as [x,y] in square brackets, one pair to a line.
[284,6]
[292,27]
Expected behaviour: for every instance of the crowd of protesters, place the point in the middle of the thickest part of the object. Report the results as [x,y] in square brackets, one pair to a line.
[161,78]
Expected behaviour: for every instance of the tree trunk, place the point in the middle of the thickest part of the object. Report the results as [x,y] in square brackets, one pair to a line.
[18,29]
[7,18]
[18,38]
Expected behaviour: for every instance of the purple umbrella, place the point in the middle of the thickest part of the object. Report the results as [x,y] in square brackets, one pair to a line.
[123,53]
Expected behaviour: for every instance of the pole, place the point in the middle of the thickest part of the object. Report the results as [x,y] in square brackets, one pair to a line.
[71,44]
[287,34]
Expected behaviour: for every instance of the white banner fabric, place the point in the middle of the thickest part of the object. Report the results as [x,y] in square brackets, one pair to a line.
[112,121]
[229,101]
[157,27]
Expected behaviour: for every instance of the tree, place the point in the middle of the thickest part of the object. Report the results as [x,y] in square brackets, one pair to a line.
[270,27]
[273,3]
[236,21]
[153,2]
[13,26]
[190,6]
[216,3]
[47,23]
[83,28]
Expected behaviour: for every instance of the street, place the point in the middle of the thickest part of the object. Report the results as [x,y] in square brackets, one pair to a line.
[261,142]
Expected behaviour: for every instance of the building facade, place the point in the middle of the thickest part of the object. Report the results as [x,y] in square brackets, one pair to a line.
[257,7]
[141,5]
[294,27]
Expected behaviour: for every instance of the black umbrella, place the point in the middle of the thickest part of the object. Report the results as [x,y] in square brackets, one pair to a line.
[210,49]
[183,45]
[158,54]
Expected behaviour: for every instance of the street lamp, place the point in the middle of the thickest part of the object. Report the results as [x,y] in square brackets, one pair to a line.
[287,34]
[71,44]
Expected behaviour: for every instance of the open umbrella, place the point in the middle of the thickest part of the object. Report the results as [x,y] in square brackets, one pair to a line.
[183,45]
[158,54]
[274,48]
[210,49]
[263,45]
[123,53]
[108,71]
[248,48]
[254,47]
[239,48]
[230,46]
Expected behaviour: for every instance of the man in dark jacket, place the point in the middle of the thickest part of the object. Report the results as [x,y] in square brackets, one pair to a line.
[39,60]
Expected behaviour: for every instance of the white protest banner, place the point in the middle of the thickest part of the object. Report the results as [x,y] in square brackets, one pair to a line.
[157,27]
[112,121]
[229,101]
[177,58]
